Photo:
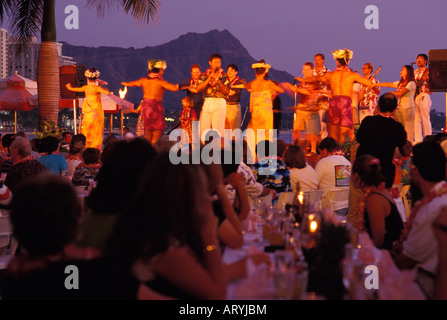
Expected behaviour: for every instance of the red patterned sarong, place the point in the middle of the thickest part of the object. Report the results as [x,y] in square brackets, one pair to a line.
[340,112]
[153,115]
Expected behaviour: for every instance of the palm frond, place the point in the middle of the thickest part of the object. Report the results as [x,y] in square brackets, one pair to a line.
[26,20]
[142,10]
[5,7]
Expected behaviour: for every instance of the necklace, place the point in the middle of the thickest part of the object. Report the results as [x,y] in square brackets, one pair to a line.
[358,218]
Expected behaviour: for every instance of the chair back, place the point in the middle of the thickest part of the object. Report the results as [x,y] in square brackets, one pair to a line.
[285,198]
[337,199]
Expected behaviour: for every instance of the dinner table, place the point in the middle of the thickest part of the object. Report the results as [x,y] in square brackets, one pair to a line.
[367,273]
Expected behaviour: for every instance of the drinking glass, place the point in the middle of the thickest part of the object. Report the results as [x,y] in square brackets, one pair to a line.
[284,273]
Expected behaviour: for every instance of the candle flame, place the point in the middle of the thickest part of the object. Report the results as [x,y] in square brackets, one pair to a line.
[313,226]
[301,197]
[123,92]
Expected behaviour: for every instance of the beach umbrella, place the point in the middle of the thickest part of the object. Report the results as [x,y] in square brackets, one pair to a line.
[15,94]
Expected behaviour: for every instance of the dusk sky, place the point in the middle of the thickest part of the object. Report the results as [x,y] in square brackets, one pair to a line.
[286,33]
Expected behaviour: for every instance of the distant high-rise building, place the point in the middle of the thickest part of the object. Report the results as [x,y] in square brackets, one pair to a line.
[3,53]
[26,63]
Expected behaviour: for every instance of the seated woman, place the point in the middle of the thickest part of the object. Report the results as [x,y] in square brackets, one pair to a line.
[167,236]
[116,183]
[89,169]
[381,217]
[300,172]
[76,148]
[45,214]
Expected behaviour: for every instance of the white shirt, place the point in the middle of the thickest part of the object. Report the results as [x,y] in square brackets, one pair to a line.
[307,178]
[421,244]
[326,170]
[407,100]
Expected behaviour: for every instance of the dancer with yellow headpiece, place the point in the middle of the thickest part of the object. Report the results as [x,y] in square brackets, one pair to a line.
[92,112]
[261,107]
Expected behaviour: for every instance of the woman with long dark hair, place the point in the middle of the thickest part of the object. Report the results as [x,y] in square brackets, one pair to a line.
[406,88]
[379,213]
[167,236]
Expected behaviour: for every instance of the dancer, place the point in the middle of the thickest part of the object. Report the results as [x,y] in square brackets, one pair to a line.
[406,88]
[339,119]
[152,109]
[307,110]
[93,115]
[261,103]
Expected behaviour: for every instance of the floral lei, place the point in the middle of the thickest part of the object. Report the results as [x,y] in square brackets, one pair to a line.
[418,205]
[358,219]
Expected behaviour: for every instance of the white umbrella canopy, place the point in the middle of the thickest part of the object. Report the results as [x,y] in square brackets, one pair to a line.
[112,103]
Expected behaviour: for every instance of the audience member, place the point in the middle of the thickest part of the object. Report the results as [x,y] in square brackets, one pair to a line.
[116,183]
[23,167]
[302,176]
[88,170]
[440,228]
[333,169]
[270,170]
[381,217]
[167,236]
[418,247]
[77,146]
[34,154]
[52,160]
[45,213]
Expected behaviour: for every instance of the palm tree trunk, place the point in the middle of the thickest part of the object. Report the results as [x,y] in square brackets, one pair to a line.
[48,86]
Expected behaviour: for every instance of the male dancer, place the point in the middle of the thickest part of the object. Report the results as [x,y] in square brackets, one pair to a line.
[340,123]
[151,107]
[214,91]
[422,100]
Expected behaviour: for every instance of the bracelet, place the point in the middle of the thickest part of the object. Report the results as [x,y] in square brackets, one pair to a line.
[210,248]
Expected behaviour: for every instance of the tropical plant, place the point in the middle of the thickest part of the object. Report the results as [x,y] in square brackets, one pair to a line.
[28,17]
[49,129]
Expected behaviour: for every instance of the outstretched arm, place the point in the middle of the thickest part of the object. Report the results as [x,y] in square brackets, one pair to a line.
[385,84]
[103,90]
[170,86]
[136,83]
[69,87]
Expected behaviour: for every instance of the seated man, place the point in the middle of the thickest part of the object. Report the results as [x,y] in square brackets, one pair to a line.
[23,167]
[418,247]
[333,169]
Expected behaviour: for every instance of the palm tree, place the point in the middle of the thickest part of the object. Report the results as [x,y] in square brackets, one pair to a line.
[28,17]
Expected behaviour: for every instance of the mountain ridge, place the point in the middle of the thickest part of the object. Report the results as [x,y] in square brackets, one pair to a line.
[118,64]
